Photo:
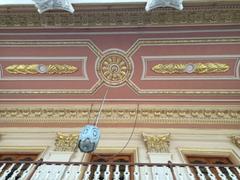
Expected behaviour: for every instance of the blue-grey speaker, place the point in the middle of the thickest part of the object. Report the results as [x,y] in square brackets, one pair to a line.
[89,138]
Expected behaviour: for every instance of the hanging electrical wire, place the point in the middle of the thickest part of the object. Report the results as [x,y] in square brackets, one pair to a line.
[90,134]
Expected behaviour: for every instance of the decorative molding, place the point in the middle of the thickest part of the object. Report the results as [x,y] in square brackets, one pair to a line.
[189,59]
[148,114]
[41,69]
[236,140]
[66,142]
[157,143]
[199,68]
[114,68]
[81,62]
[27,16]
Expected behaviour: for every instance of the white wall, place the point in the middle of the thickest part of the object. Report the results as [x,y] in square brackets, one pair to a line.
[114,139]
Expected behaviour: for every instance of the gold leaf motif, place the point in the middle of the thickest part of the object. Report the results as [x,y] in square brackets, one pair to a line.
[199,68]
[236,140]
[41,69]
[66,142]
[157,143]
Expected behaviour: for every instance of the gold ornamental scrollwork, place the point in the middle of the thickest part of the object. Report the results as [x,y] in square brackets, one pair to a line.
[114,69]
[199,68]
[66,142]
[157,143]
[41,69]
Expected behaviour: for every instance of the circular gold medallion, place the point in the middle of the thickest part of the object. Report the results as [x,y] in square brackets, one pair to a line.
[114,69]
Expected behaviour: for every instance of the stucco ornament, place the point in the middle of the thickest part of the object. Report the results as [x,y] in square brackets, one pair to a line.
[152,4]
[89,138]
[45,5]
[114,69]
[41,69]
[157,143]
[236,140]
[66,142]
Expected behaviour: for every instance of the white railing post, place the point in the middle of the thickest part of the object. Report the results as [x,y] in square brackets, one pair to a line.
[27,172]
[97,173]
[87,173]
[238,170]
[155,172]
[210,174]
[136,173]
[200,174]
[168,173]
[107,173]
[126,173]
[146,173]
[116,174]
[179,174]
[7,172]
[220,174]
[1,168]
[16,172]
[231,174]
[190,174]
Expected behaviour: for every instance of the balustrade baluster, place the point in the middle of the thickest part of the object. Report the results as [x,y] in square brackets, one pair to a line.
[27,172]
[210,174]
[126,173]
[68,173]
[16,172]
[146,173]
[200,174]
[87,173]
[116,174]
[168,173]
[107,173]
[60,172]
[38,172]
[220,174]
[155,172]
[190,174]
[1,168]
[136,173]
[7,172]
[238,170]
[231,174]
[178,171]
[97,173]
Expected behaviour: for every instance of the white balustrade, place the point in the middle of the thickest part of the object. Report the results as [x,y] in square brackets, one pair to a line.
[73,172]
